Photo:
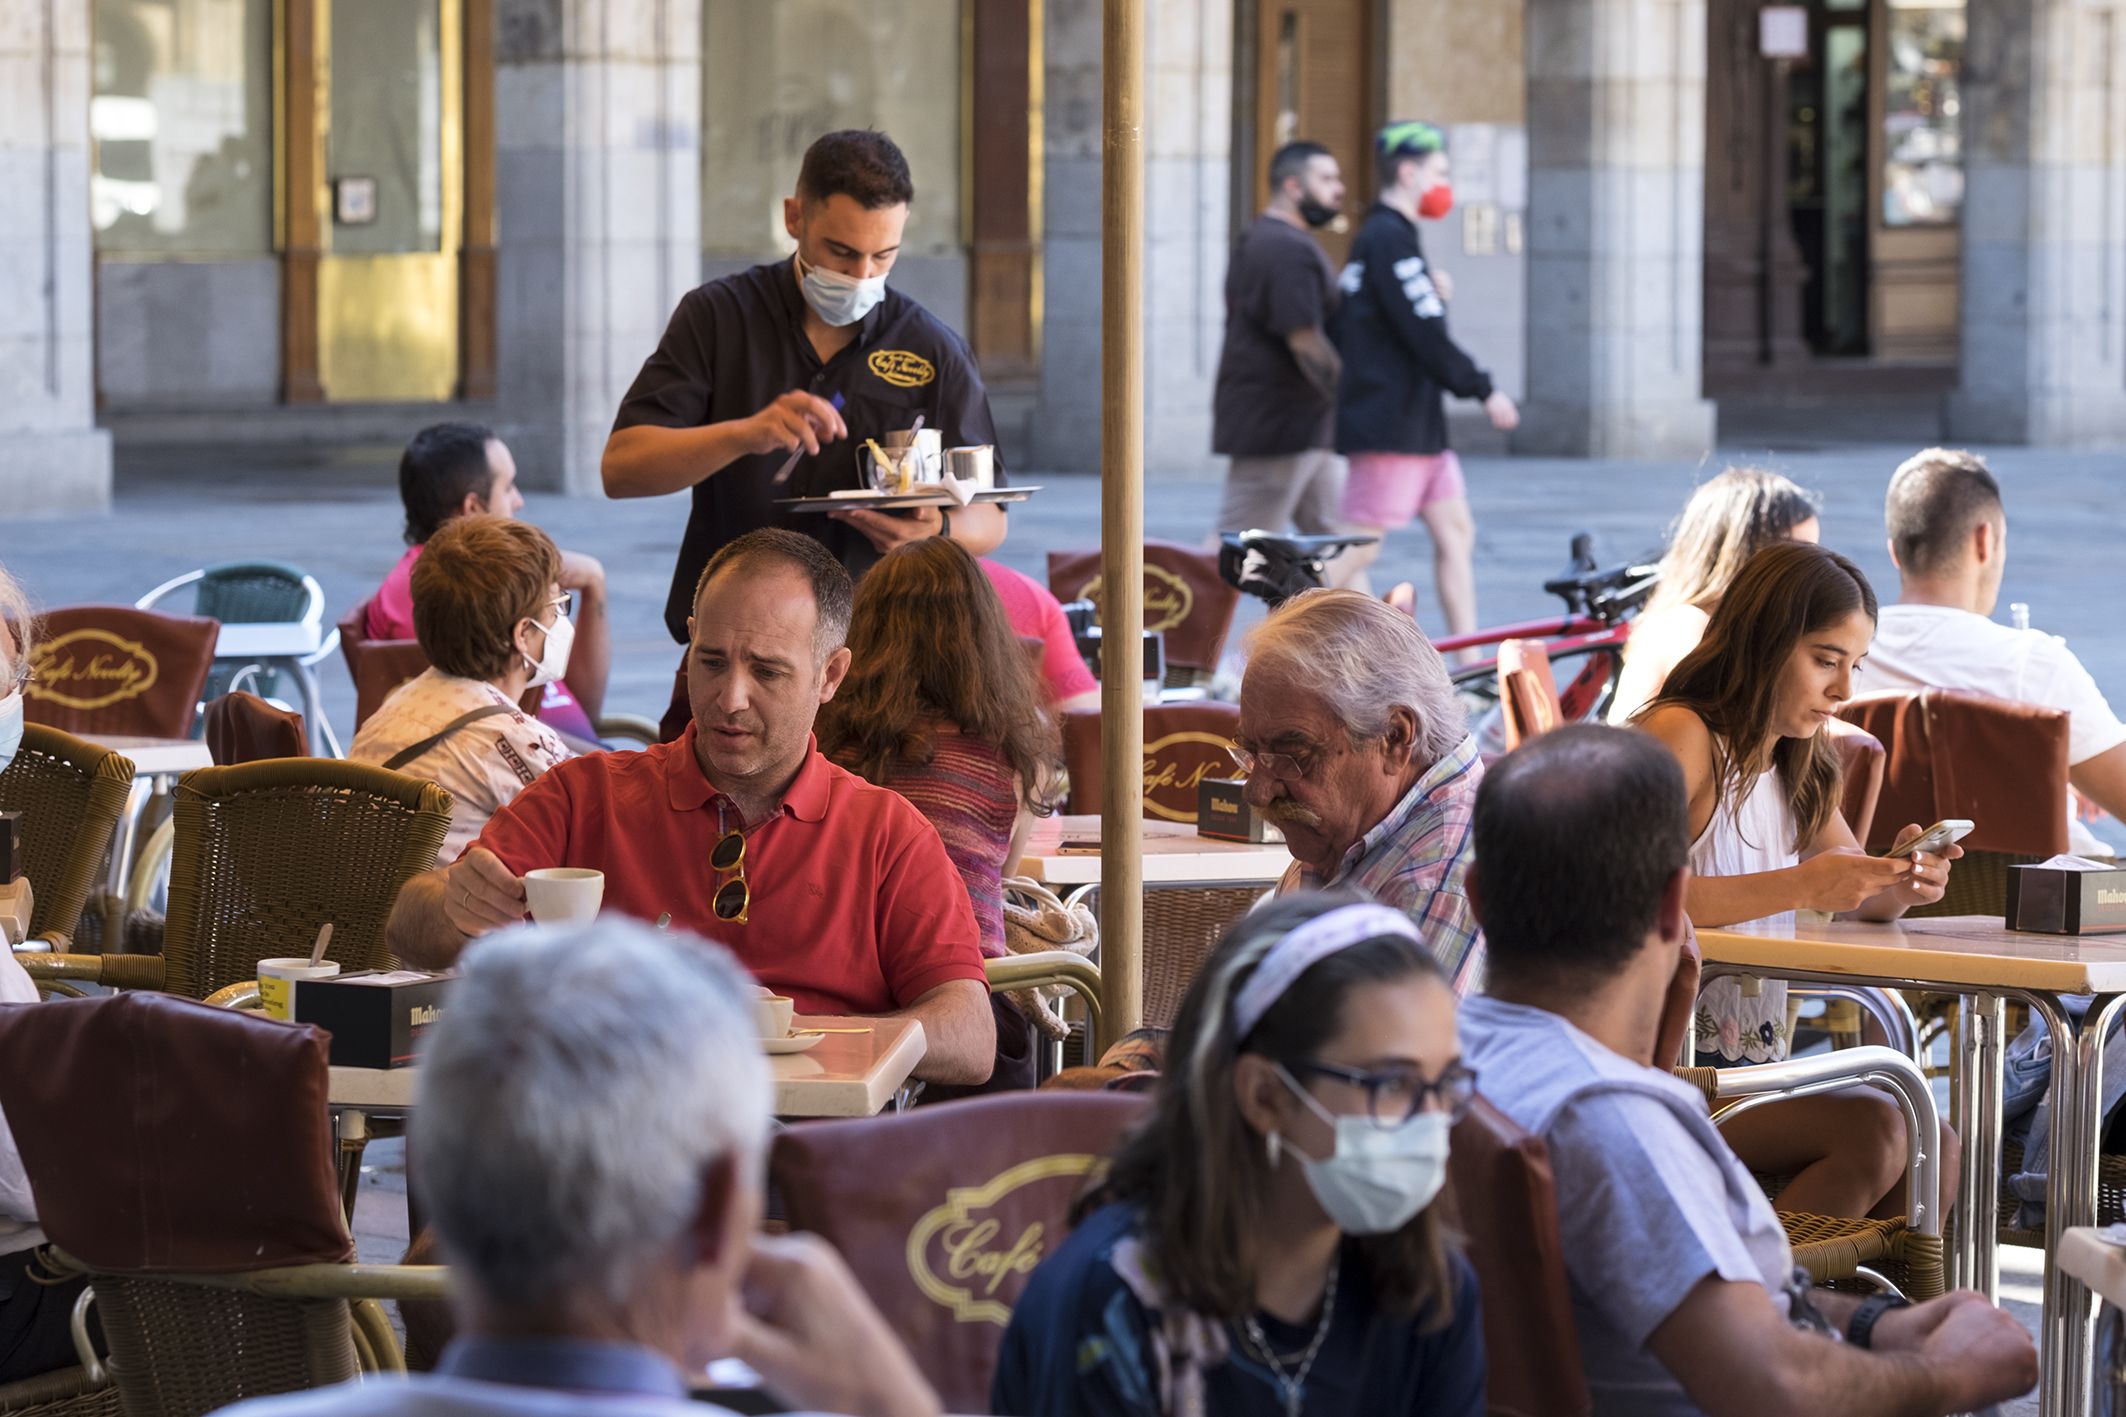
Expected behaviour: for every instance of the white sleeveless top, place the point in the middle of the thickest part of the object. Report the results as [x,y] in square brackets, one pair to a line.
[1743,1018]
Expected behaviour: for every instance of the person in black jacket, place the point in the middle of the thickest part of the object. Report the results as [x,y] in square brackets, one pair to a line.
[1399,363]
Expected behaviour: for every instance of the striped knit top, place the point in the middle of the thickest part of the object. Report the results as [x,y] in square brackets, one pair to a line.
[968,793]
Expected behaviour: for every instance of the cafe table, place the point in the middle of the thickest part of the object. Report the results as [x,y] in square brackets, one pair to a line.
[1978,959]
[857,1069]
[1173,855]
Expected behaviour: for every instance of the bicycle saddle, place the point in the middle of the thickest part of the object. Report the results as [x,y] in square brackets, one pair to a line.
[1296,548]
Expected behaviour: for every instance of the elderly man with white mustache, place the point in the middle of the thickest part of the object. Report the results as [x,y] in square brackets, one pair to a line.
[1354,743]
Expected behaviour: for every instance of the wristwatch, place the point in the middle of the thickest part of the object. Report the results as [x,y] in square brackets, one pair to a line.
[1860,1329]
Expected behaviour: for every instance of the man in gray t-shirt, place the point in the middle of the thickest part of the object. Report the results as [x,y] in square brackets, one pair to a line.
[1679,1269]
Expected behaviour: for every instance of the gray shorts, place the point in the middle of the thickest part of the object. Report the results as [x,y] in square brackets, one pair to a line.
[1299,490]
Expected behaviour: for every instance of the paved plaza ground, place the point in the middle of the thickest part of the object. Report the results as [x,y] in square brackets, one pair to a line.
[335,512]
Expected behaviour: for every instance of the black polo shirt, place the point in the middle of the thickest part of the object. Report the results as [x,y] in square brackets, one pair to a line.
[735,345]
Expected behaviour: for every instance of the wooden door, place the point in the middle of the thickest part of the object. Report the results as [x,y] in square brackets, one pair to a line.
[1314,79]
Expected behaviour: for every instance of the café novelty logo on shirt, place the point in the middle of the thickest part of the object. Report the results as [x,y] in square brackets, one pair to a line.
[904,369]
[91,669]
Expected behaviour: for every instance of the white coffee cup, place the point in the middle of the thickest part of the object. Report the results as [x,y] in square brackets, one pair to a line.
[771,1013]
[564,895]
[277,979]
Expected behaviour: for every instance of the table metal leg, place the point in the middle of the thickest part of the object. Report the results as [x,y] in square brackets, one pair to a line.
[1977,1110]
[2077,1094]
[353,1132]
[323,740]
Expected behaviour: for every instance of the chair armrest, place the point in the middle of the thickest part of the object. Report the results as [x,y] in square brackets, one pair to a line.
[113,971]
[1059,968]
[243,994]
[632,726]
[1758,1083]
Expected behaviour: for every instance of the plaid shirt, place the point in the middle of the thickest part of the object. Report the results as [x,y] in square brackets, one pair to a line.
[1417,860]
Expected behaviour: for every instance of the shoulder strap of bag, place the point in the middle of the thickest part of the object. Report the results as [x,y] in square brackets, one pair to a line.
[407,754]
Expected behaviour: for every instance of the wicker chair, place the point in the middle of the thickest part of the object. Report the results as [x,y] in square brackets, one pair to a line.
[1182,925]
[264,854]
[1999,763]
[1185,599]
[1010,1163]
[1836,1249]
[1184,743]
[204,1210]
[71,794]
[112,670]
[244,728]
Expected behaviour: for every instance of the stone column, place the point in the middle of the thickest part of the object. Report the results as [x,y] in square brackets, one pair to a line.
[597,190]
[54,460]
[2043,307]
[1188,77]
[1616,227]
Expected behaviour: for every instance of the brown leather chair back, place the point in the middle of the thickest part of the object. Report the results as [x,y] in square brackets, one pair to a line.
[1183,744]
[1528,691]
[1863,761]
[376,666]
[2000,763]
[222,1162]
[944,1211]
[106,671]
[244,728]
[1184,597]
[1507,1202]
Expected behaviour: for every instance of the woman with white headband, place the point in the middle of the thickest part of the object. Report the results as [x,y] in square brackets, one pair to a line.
[1265,1244]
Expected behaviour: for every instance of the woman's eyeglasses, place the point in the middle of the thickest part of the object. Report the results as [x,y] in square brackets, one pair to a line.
[733,896]
[1395,1095]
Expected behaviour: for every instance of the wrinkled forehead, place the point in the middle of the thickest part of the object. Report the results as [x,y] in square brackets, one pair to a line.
[757,606]
[1276,711]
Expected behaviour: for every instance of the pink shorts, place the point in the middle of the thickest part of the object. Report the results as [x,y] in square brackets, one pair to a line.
[1389,489]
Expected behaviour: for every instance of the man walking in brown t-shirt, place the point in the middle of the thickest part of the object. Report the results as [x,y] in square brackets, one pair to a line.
[1275,407]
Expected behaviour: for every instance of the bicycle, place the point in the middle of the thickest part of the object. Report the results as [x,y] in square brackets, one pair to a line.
[1588,639]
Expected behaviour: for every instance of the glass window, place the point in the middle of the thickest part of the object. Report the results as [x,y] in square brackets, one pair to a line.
[776,76]
[384,143]
[182,125]
[1923,163]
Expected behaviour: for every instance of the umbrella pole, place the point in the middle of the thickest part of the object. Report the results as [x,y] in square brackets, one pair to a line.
[1122,515]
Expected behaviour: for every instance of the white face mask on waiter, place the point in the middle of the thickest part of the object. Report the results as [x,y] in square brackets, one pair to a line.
[836,298]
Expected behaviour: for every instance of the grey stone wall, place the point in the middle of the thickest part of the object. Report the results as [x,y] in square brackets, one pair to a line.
[1616,229]
[187,333]
[597,116]
[1188,231]
[53,459]
[2044,226]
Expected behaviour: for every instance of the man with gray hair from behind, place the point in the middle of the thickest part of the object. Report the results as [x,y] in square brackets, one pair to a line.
[592,1115]
[1355,745]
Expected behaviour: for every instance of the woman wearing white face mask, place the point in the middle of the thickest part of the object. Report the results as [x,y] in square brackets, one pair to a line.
[1265,1244]
[489,612]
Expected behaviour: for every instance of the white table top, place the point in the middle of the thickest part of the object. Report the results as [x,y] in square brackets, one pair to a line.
[291,639]
[2096,1262]
[157,757]
[851,1074]
[1969,950]
[1173,854]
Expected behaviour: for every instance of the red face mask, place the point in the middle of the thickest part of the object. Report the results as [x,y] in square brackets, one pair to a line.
[1436,202]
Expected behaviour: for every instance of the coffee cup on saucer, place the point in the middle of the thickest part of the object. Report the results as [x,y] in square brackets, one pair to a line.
[772,1012]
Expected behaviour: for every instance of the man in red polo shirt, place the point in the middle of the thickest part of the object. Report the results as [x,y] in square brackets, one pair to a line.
[843,897]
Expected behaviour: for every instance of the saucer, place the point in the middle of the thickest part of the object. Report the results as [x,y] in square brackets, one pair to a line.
[796,1041]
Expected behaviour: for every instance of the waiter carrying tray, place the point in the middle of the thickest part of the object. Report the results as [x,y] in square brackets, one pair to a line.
[751,366]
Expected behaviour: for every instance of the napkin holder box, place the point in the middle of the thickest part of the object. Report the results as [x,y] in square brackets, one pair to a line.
[2056,901]
[1223,813]
[376,1018]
